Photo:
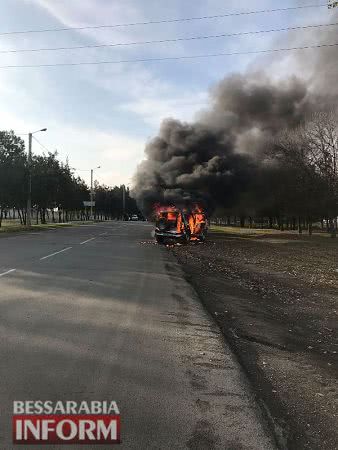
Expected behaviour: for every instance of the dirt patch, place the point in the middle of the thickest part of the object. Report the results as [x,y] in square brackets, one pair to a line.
[276,301]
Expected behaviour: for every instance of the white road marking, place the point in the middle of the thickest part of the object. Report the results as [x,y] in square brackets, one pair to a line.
[88,240]
[56,253]
[89,225]
[8,271]
[102,234]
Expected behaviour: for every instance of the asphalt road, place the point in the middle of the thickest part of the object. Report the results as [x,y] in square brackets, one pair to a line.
[100,313]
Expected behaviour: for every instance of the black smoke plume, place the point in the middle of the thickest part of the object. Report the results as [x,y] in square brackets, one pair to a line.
[214,159]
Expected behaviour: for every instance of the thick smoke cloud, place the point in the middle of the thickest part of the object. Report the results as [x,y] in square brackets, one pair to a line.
[214,159]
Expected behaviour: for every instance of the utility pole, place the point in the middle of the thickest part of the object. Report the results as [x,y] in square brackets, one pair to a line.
[29,166]
[124,200]
[29,194]
[91,193]
[92,190]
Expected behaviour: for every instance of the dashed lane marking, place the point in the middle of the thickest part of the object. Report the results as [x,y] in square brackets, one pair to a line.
[56,253]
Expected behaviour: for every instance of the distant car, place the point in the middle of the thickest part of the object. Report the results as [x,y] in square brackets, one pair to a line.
[134,217]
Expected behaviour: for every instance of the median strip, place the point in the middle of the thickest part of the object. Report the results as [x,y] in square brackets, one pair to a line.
[7,272]
[88,240]
[56,253]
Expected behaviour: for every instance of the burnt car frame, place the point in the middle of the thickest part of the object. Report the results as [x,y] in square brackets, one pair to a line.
[171,226]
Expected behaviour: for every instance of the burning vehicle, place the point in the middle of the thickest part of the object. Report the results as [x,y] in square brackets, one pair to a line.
[198,224]
[175,225]
[171,225]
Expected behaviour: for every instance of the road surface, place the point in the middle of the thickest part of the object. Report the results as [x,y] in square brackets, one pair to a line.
[99,312]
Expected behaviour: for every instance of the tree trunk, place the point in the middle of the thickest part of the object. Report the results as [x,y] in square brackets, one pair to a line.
[300,230]
[43,215]
[332,229]
[294,223]
[281,224]
[309,227]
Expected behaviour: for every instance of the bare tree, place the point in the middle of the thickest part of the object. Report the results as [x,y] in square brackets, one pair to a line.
[310,155]
[320,136]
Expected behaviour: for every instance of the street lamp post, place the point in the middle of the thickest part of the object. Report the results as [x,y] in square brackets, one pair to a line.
[29,164]
[92,191]
[124,201]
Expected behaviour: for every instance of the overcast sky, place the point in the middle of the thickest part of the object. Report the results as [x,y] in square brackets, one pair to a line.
[104,114]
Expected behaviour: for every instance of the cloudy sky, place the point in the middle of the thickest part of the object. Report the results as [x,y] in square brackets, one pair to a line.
[104,114]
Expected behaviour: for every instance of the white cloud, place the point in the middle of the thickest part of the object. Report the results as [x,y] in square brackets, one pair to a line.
[154,109]
[89,12]
[116,153]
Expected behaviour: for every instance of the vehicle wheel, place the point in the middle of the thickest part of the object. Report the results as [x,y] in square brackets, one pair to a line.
[184,240]
[160,239]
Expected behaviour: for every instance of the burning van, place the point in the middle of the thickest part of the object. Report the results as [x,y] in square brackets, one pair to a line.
[171,225]
[198,224]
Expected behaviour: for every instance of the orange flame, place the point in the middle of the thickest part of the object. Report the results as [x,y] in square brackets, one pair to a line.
[197,221]
[170,213]
[195,216]
[158,208]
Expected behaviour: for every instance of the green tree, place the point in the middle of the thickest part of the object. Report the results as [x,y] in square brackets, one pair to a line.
[13,175]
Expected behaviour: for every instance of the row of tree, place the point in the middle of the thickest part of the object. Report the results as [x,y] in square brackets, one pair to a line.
[297,183]
[57,194]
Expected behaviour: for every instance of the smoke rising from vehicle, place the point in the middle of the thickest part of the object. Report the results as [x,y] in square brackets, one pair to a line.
[213,159]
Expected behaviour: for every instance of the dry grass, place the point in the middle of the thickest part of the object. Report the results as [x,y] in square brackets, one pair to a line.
[261,232]
[13,226]
[275,296]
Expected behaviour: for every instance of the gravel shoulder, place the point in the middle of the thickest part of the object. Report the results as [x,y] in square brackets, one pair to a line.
[275,297]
